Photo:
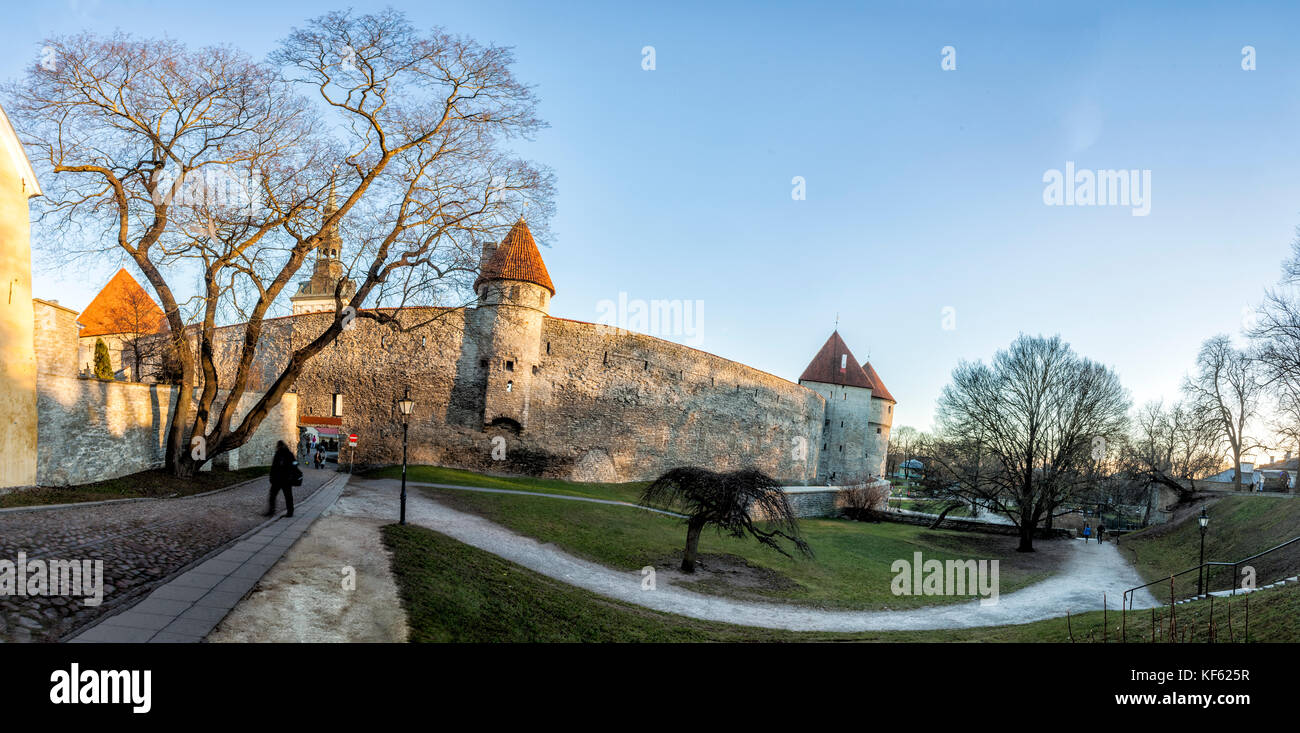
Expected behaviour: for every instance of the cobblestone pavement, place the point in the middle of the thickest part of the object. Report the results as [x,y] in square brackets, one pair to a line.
[140,542]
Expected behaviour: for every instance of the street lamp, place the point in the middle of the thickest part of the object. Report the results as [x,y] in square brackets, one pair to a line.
[1204,521]
[405,405]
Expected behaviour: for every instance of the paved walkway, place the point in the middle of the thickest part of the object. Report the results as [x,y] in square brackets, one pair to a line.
[1091,569]
[189,606]
[139,541]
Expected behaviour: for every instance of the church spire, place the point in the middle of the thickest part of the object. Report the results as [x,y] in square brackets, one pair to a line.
[331,246]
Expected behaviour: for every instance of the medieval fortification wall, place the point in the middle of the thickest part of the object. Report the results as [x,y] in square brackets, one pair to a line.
[585,402]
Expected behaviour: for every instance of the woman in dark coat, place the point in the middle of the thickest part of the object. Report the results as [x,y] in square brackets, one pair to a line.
[284,474]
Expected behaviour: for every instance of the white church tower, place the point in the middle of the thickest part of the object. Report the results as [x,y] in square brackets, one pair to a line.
[316,295]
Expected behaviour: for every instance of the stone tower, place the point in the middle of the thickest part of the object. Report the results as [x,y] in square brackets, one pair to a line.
[882,419]
[17,349]
[847,437]
[514,296]
[316,295]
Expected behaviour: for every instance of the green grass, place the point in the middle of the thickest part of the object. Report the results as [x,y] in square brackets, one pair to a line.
[146,484]
[1240,526]
[851,568]
[456,593]
[930,506]
[628,492]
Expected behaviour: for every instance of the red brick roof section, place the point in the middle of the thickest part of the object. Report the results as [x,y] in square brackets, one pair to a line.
[517,258]
[835,364]
[877,386]
[120,307]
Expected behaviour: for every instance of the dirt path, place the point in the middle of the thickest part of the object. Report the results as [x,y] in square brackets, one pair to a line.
[307,596]
[1090,570]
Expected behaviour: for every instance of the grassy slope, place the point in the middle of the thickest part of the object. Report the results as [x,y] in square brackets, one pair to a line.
[628,492]
[930,506]
[851,568]
[1240,526]
[146,484]
[454,592]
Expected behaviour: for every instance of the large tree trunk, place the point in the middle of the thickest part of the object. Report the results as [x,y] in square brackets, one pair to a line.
[1026,538]
[1026,526]
[693,530]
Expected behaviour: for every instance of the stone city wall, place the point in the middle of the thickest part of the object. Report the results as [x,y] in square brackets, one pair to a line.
[602,405]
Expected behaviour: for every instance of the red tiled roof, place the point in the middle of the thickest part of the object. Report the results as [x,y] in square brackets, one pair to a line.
[835,364]
[122,307]
[517,258]
[877,386]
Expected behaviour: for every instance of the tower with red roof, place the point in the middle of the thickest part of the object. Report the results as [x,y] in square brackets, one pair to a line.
[859,413]
[514,296]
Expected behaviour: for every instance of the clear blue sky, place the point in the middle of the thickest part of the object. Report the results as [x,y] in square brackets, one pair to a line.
[924,186]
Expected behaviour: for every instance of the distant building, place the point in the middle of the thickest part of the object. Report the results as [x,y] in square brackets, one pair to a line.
[121,314]
[317,294]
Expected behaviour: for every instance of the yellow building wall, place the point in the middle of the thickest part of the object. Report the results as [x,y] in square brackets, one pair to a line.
[17,352]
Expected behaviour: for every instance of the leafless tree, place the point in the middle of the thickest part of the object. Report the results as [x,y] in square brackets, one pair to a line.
[1171,447]
[864,497]
[1016,435]
[1276,339]
[903,444]
[740,503]
[208,166]
[1225,392]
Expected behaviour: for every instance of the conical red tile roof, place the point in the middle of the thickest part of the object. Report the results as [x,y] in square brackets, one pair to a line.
[877,386]
[835,364]
[122,307]
[517,258]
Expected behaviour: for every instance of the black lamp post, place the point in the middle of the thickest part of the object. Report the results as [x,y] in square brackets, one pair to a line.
[405,405]
[1203,520]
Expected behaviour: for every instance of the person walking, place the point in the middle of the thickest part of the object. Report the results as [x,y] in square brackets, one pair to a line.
[285,475]
[1087,532]
[1101,532]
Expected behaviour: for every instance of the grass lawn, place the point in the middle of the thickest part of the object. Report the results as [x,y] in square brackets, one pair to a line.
[629,492]
[930,506]
[146,484]
[1240,526]
[851,568]
[456,593]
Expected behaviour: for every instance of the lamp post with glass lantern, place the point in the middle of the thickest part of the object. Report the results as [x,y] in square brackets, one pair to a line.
[405,405]
[1204,521]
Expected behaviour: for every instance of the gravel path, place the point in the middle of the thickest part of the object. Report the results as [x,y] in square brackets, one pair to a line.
[1090,570]
[140,542]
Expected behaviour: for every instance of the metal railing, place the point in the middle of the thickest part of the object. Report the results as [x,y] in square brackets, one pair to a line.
[1205,567]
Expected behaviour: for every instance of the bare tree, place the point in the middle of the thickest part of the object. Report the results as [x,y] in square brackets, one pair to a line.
[1276,339]
[1172,447]
[864,497]
[739,503]
[207,166]
[1016,435]
[903,444]
[1225,392]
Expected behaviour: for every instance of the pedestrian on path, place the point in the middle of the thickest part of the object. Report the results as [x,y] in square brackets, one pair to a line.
[1101,532]
[285,475]
[1087,532]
